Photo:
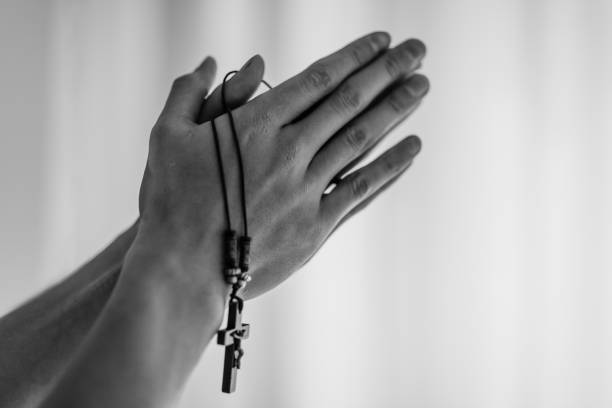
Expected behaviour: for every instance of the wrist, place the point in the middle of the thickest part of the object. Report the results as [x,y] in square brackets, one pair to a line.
[160,261]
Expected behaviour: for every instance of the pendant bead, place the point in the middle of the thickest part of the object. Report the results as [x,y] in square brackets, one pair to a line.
[231,249]
[232,272]
[232,275]
[245,252]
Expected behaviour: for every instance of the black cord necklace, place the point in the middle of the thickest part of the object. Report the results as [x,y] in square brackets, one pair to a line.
[237,258]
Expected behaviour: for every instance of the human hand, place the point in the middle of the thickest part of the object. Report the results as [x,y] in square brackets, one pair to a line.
[239,89]
[295,139]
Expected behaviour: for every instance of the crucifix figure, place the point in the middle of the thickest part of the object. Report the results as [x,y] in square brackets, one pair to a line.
[231,337]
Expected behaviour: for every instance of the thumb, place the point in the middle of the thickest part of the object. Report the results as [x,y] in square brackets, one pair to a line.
[238,89]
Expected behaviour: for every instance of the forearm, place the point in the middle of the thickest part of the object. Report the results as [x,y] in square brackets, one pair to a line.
[149,336]
[40,337]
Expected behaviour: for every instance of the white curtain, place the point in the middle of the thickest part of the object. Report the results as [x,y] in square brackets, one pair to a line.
[482,279]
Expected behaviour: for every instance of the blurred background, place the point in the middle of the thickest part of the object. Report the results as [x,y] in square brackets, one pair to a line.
[482,279]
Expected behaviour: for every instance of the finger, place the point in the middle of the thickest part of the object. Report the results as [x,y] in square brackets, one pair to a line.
[361,184]
[366,154]
[358,92]
[188,91]
[356,139]
[362,205]
[239,89]
[300,92]
[368,150]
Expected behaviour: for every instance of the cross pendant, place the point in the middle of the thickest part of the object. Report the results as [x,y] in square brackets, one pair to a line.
[231,337]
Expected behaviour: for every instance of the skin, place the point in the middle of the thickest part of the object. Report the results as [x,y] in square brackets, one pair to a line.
[38,338]
[296,138]
[43,334]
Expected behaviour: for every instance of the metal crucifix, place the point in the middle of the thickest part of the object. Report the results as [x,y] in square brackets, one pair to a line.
[231,337]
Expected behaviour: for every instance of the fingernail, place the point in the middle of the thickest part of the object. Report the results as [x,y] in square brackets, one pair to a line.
[416,48]
[414,145]
[418,85]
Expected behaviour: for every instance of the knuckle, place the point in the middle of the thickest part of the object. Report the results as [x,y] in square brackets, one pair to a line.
[400,100]
[355,138]
[359,187]
[290,154]
[397,61]
[166,130]
[183,80]
[392,64]
[390,165]
[254,123]
[358,59]
[346,99]
[406,54]
[316,77]
[159,139]
[287,159]
[262,121]
[373,46]
[363,51]
[162,127]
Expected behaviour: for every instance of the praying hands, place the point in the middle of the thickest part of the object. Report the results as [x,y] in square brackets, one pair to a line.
[154,299]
